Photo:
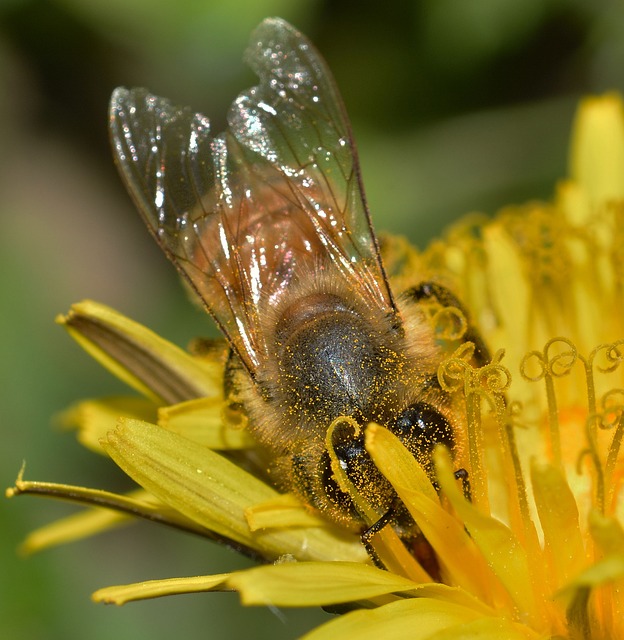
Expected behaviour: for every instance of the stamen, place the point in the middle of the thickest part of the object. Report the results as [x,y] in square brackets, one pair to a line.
[457,374]
[550,367]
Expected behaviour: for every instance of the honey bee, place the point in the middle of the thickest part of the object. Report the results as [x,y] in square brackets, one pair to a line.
[268,223]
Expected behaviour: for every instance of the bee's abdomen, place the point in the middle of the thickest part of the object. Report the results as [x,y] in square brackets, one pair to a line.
[331,361]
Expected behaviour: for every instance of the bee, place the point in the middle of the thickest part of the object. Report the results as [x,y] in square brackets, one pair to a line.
[269,225]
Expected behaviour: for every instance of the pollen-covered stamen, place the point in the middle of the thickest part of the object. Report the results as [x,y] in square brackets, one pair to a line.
[458,375]
[339,473]
[554,361]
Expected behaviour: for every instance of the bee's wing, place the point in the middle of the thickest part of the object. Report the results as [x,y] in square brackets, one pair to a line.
[279,192]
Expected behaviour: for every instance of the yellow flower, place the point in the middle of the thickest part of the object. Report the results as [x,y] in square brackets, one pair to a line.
[538,549]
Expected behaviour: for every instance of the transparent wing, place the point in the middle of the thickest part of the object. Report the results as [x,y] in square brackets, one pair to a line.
[277,195]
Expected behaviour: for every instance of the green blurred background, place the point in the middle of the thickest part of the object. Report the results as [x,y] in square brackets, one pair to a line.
[457,106]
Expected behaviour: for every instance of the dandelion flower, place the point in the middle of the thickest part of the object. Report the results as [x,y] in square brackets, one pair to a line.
[530,546]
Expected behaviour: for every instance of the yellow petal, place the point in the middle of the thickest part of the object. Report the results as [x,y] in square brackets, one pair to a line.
[312,584]
[607,532]
[145,361]
[199,483]
[213,492]
[393,458]
[597,151]
[576,596]
[455,550]
[572,201]
[606,570]
[201,420]
[499,546]
[609,536]
[506,272]
[454,595]
[558,513]
[413,619]
[72,528]
[280,512]
[95,418]
[487,629]
[157,588]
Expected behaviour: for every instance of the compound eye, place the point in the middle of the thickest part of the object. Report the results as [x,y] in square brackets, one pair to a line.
[421,427]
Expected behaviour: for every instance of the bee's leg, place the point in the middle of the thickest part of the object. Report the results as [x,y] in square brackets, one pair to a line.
[385,519]
[417,545]
[433,290]
[232,370]
[462,474]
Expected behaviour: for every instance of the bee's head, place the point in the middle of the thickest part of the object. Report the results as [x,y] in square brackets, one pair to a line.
[420,427]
